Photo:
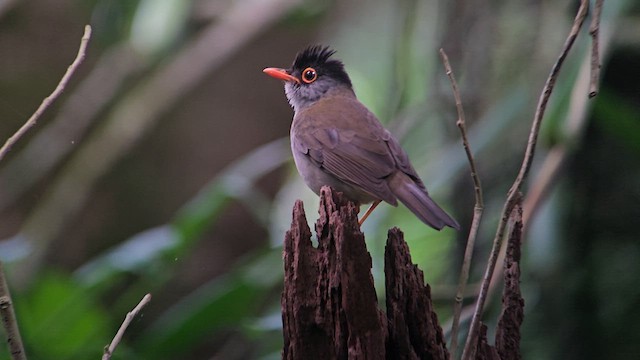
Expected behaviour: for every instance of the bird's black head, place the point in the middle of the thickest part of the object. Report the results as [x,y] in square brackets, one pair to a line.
[312,74]
[317,59]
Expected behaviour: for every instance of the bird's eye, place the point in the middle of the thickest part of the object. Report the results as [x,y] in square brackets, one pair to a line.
[309,75]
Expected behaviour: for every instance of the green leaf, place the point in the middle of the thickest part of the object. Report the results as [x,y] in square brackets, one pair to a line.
[226,302]
[60,320]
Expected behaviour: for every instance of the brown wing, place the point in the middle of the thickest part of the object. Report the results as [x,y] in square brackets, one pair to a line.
[358,151]
[347,142]
[402,161]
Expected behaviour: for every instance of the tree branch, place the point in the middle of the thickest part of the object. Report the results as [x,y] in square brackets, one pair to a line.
[573,129]
[133,116]
[522,175]
[51,98]
[9,320]
[7,313]
[551,167]
[109,349]
[594,31]
[47,149]
[477,209]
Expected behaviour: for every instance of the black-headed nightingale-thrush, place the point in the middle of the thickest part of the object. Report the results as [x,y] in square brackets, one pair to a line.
[337,141]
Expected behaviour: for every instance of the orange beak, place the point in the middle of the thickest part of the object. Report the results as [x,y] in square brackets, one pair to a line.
[280,74]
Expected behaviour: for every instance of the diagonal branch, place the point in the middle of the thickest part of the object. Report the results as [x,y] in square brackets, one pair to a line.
[49,148]
[522,175]
[109,349]
[134,116]
[477,209]
[7,313]
[51,98]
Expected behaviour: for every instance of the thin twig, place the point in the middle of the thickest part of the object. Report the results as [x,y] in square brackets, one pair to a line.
[51,98]
[9,321]
[594,30]
[477,209]
[131,118]
[552,164]
[51,145]
[109,349]
[522,175]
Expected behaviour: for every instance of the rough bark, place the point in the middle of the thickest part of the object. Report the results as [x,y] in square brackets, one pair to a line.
[512,314]
[484,351]
[414,332]
[330,308]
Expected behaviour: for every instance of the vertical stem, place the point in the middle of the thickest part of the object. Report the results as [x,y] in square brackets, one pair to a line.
[594,30]
[9,321]
[522,175]
[477,210]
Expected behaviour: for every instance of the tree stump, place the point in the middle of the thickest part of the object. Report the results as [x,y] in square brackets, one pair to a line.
[413,328]
[329,305]
[507,345]
[512,314]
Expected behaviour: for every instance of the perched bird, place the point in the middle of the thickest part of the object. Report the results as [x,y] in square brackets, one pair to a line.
[337,141]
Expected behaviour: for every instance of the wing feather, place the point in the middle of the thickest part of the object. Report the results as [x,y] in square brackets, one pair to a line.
[359,158]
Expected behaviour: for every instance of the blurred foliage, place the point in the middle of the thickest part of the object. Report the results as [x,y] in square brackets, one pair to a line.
[61,320]
[216,294]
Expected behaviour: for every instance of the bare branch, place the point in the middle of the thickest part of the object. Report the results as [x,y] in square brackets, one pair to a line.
[47,149]
[137,113]
[576,121]
[7,313]
[109,349]
[51,98]
[9,320]
[477,210]
[594,30]
[551,167]
[522,175]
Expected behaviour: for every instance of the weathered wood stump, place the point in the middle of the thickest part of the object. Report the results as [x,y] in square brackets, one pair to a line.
[512,314]
[413,328]
[507,345]
[329,305]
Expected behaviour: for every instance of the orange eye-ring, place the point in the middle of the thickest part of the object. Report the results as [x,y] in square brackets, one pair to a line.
[309,75]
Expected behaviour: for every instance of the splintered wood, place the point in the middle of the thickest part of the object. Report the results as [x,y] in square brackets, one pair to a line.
[329,304]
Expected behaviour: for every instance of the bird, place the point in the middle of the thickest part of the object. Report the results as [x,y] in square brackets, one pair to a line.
[336,141]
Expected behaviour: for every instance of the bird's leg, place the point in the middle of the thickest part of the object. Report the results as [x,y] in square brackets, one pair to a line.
[369,211]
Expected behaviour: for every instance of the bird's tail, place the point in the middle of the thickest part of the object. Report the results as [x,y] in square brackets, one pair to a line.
[418,201]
